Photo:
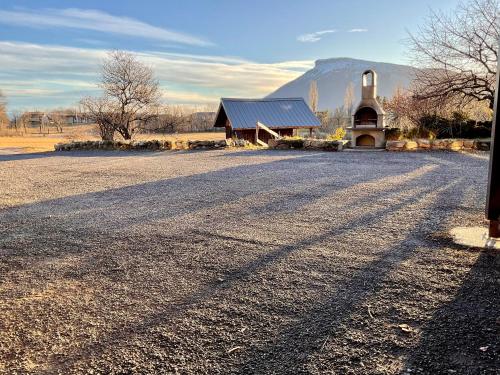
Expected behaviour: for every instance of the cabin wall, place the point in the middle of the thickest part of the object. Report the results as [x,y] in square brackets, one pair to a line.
[229,130]
[249,134]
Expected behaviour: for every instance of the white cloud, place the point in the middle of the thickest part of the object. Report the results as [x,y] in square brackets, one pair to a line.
[92,42]
[314,37]
[187,97]
[194,79]
[14,92]
[88,19]
[357,30]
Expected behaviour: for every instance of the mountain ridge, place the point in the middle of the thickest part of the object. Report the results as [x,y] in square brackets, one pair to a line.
[333,76]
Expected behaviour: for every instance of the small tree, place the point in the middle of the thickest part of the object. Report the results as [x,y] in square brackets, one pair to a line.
[131,96]
[313,96]
[103,112]
[458,53]
[325,119]
[57,119]
[349,99]
[18,122]
[4,119]
[339,118]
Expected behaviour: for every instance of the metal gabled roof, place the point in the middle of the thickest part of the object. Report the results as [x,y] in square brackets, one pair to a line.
[274,113]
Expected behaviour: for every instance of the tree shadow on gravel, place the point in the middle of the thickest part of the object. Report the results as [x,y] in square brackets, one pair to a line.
[77,154]
[463,336]
[291,350]
[319,322]
[296,341]
[158,200]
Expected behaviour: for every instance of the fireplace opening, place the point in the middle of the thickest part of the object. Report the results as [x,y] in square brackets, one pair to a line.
[365,140]
[365,116]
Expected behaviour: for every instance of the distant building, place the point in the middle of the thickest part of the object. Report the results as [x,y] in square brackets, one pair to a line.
[38,118]
[284,116]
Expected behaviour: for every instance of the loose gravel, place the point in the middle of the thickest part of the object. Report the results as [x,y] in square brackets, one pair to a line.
[255,262]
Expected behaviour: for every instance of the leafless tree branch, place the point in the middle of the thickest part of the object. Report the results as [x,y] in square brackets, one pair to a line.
[457,53]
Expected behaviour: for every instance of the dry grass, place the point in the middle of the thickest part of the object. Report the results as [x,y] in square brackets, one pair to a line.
[30,143]
[36,142]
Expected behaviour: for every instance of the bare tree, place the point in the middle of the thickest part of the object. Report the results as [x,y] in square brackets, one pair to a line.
[313,96]
[19,121]
[202,118]
[57,119]
[349,99]
[4,119]
[103,112]
[459,53]
[404,110]
[131,96]
[339,118]
[176,118]
[15,120]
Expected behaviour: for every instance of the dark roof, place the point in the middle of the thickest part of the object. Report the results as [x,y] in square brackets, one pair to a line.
[274,113]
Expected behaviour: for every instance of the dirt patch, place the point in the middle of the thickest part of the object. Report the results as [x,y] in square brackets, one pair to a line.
[245,262]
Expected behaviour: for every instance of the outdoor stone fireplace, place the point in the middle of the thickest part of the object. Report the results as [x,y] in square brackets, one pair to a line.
[368,122]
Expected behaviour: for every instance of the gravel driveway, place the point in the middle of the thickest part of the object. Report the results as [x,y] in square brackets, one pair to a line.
[245,262]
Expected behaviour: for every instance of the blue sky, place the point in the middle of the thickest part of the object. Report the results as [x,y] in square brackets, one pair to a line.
[50,51]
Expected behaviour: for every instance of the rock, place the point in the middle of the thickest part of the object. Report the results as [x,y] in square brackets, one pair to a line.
[197,145]
[237,142]
[455,145]
[440,144]
[411,145]
[181,145]
[294,143]
[482,145]
[424,143]
[221,144]
[167,145]
[308,144]
[468,144]
[272,143]
[282,146]
[395,145]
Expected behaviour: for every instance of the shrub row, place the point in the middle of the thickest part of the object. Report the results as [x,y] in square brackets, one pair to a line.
[439,144]
[458,126]
[306,144]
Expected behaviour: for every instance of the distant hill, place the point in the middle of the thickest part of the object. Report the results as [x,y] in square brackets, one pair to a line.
[333,77]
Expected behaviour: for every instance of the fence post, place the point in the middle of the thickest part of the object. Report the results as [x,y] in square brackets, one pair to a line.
[493,198]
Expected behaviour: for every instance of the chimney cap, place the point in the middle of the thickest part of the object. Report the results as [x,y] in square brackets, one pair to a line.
[365,78]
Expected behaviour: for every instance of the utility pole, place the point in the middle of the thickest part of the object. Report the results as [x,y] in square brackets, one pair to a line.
[493,198]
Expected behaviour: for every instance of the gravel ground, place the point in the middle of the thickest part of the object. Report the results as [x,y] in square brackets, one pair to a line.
[245,262]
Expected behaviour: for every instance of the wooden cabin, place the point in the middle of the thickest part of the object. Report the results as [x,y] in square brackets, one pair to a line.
[284,116]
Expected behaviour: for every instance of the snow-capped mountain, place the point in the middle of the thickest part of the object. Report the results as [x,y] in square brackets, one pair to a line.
[334,75]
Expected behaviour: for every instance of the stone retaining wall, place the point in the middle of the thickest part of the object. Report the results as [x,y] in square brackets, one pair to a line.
[439,144]
[154,145]
[114,145]
[306,144]
[276,144]
[204,145]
